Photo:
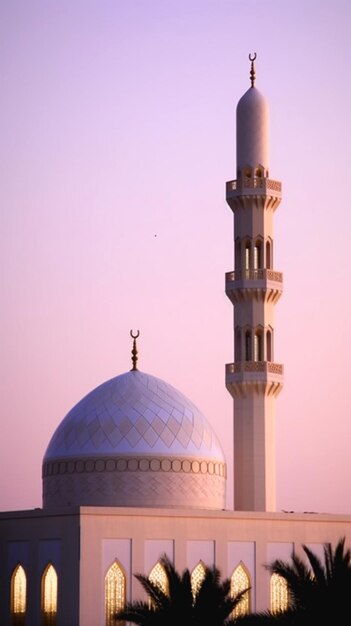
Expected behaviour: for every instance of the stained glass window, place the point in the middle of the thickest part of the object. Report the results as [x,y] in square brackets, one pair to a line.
[49,596]
[279,593]
[115,592]
[18,596]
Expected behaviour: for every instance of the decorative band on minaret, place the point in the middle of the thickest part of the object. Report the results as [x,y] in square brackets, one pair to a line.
[254,379]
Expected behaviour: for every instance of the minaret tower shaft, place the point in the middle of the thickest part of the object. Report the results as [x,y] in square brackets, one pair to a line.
[254,379]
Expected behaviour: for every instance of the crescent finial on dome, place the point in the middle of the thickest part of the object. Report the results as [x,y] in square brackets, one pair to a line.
[134,350]
[252,58]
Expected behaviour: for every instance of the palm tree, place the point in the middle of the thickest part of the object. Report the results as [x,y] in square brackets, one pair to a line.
[210,605]
[319,590]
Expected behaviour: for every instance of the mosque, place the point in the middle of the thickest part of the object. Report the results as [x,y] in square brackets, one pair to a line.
[135,470]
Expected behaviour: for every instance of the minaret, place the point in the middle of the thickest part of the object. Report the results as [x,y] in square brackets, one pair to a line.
[254,380]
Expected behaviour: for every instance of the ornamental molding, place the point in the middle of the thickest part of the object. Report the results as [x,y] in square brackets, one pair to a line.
[133,464]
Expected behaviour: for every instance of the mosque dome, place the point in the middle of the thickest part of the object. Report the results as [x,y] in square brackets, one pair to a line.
[252,123]
[134,441]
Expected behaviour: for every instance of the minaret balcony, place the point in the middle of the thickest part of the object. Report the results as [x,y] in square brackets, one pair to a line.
[262,191]
[263,284]
[244,377]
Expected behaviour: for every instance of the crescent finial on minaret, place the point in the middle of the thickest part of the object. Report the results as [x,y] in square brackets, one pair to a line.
[252,58]
[134,350]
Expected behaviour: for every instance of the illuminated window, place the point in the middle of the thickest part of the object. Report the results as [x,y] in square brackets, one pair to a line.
[197,576]
[279,593]
[18,596]
[238,582]
[49,596]
[159,578]
[115,592]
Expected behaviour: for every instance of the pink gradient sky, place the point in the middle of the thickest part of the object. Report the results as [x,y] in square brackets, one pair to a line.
[118,124]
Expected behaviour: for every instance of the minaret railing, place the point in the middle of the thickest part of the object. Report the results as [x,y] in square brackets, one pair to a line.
[259,274]
[254,182]
[267,367]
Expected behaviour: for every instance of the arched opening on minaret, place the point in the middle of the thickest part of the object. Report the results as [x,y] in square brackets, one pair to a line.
[238,254]
[268,255]
[269,346]
[258,255]
[248,255]
[238,345]
[248,345]
[258,356]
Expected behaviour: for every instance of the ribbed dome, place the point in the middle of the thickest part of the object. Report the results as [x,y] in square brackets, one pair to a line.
[134,441]
[252,123]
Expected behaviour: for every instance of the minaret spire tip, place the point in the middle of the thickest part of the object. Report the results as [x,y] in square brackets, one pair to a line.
[252,58]
[134,350]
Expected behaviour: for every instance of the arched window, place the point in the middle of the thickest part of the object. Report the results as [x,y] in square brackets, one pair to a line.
[269,346]
[257,255]
[115,592]
[18,596]
[238,345]
[248,346]
[258,346]
[49,596]
[197,576]
[268,256]
[238,255]
[158,577]
[247,255]
[239,581]
[279,593]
